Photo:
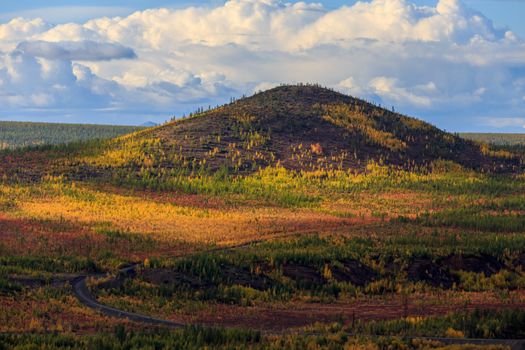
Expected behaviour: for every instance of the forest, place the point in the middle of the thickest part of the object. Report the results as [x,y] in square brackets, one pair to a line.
[28,134]
[500,139]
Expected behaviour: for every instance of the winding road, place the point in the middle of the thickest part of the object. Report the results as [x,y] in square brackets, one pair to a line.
[83,294]
[81,291]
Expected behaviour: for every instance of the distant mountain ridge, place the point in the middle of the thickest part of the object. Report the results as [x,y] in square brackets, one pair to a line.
[149,124]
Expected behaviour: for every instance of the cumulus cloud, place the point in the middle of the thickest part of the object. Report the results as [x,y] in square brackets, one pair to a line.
[441,62]
[19,28]
[388,87]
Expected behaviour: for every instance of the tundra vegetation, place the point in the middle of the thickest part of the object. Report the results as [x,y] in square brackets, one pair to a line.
[296,209]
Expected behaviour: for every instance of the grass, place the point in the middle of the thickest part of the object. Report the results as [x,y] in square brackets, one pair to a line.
[477,324]
[385,218]
[190,338]
[256,277]
[216,338]
[474,219]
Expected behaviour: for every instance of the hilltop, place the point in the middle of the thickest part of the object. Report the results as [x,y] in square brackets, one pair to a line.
[300,127]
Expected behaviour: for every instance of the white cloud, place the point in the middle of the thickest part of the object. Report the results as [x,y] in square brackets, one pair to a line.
[75,50]
[505,122]
[265,85]
[19,28]
[69,32]
[389,89]
[42,99]
[445,61]
[272,24]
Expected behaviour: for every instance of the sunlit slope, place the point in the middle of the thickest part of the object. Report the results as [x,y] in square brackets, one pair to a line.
[297,127]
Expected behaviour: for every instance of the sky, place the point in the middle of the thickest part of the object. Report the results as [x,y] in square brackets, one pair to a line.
[457,64]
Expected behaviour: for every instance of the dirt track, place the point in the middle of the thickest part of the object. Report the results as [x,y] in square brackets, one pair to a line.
[300,315]
[265,319]
[82,293]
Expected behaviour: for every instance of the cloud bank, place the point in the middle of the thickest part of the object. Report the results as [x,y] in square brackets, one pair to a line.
[75,50]
[448,64]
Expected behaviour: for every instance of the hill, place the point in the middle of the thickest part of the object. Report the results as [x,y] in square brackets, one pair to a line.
[300,127]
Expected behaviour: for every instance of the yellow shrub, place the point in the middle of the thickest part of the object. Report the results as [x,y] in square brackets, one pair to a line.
[453,333]
[147,263]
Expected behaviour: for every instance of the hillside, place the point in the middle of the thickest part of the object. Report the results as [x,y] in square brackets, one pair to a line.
[300,128]
[303,127]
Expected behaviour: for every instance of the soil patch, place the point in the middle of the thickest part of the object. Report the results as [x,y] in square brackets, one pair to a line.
[243,277]
[472,263]
[167,277]
[521,261]
[354,272]
[425,270]
[304,276]
[36,282]
[302,314]
[231,275]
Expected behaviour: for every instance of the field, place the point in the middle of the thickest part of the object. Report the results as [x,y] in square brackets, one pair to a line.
[26,134]
[385,256]
[325,249]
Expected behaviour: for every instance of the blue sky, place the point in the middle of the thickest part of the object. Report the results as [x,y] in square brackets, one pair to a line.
[458,64]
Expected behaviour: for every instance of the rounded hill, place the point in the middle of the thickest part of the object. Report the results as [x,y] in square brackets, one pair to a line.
[300,127]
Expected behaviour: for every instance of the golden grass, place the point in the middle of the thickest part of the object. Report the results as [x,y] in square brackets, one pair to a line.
[385,205]
[91,208]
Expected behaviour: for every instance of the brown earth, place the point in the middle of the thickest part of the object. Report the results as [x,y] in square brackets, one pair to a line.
[425,270]
[303,275]
[354,272]
[301,314]
[471,263]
